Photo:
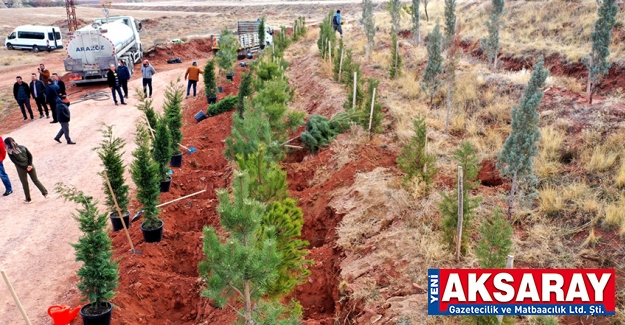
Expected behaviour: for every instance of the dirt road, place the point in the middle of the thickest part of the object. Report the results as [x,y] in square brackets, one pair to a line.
[34,245]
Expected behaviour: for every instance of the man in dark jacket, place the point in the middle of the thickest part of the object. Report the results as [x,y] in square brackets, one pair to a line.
[112,77]
[57,81]
[62,110]
[38,91]
[124,76]
[21,92]
[52,93]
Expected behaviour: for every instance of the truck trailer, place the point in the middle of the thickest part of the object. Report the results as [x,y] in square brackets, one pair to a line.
[247,35]
[92,49]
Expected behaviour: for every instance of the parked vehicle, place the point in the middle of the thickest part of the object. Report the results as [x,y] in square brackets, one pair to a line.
[247,34]
[92,49]
[35,38]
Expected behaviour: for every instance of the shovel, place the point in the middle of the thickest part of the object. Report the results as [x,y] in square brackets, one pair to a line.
[189,150]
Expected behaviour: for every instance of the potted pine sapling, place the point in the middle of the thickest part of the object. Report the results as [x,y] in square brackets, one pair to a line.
[227,54]
[161,151]
[173,117]
[110,152]
[210,82]
[261,33]
[98,276]
[144,173]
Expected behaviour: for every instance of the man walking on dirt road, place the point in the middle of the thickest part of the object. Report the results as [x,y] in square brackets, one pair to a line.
[62,109]
[147,71]
[38,91]
[3,175]
[193,72]
[124,76]
[336,22]
[112,77]
[21,92]
[52,93]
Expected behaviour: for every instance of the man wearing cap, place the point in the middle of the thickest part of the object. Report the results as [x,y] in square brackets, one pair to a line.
[63,116]
[147,71]
[193,72]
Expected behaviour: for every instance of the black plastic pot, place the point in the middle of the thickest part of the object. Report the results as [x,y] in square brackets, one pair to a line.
[176,160]
[99,319]
[262,46]
[221,89]
[230,77]
[211,100]
[165,185]
[153,235]
[116,221]
[200,116]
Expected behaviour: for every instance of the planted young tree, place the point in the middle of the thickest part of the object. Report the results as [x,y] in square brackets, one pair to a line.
[161,149]
[450,72]
[320,131]
[145,105]
[227,54]
[450,22]
[245,90]
[210,81]
[110,152]
[432,76]
[145,174]
[327,36]
[242,266]
[98,276]
[395,69]
[490,45]
[283,222]
[172,108]
[267,179]
[515,159]
[496,243]
[394,10]
[248,133]
[596,62]
[416,21]
[466,157]
[414,160]
[222,106]
[261,32]
[274,313]
[368,23]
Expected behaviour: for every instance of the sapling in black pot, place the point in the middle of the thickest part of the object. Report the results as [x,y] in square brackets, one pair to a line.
[98,277]
[110,152]
[145,174]
[161,151]
[172,107]
[210,82]
[227,54]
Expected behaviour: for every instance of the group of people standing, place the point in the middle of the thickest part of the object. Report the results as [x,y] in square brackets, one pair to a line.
[117,79]
[44,89]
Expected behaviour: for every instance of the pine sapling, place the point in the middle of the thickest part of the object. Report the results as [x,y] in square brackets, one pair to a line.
[368,24]
[490,45]
[432,76]
[210,81]
[172,110]
[161,148]
[450,22]
[450,72]
[496,242]
[245,90]
[596,62]
[394,10]
[414,160]
[466,157]
[267,179]
[261,32]
[516,156]
[144,172]
[110,151]
[395,69]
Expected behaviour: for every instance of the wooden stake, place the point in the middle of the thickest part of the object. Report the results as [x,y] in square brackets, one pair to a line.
[509,265]
[371,113]
[119,211]
[182,198]
[149,127]
[396,54]
[355,85]
[17,300]
[460,212]
[341,65]
[330,50]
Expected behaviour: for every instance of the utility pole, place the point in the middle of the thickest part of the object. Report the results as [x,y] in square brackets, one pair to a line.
[72,22]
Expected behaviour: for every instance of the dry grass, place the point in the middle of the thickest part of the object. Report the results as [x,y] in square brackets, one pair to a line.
[620,175]
[550,201]
[615,214]
[599,159]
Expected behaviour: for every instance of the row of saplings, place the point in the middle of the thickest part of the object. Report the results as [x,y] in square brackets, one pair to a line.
[158,139]
[263,260]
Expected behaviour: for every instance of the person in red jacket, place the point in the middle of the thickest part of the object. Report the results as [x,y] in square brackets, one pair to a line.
[3,175]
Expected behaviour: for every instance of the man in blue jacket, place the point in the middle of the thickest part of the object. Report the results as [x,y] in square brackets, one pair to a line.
[62,109]
[336,22]
[52,93]
[38,91]
[124,76]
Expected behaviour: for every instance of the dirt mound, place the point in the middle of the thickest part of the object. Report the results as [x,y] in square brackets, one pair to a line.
[489,174]
[188,51]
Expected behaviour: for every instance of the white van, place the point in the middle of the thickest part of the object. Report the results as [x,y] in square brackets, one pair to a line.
[36,38]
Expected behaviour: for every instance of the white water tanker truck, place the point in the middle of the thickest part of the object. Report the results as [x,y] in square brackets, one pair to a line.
[92,49]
